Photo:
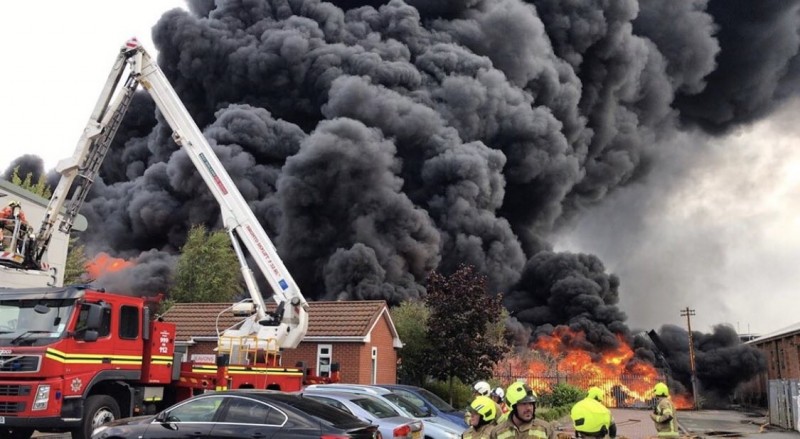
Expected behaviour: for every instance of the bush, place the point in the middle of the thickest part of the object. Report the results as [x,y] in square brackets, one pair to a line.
[461,392]
[561,395]
[551,414]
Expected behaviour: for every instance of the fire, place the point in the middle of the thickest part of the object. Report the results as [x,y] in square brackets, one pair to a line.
[103,263]
[560,357]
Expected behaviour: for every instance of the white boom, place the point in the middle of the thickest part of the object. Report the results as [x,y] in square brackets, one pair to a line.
[288,325]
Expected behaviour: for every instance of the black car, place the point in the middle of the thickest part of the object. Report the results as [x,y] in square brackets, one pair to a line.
[243,414]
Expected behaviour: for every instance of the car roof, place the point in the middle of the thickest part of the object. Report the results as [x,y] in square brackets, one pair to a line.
[368,389]
[294,402]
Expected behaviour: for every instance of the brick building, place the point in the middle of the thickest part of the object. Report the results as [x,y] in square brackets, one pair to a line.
[781,349]
[358,335]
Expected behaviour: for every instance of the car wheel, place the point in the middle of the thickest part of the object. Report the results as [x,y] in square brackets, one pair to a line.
[98,410]
[16,433]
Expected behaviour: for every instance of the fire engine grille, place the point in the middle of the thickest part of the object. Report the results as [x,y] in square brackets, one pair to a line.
[19,363]
[11,407]
[14,390]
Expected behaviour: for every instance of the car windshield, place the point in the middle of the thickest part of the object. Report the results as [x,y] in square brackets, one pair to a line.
[34,321]
[406,405]
[437,402]
[375,406]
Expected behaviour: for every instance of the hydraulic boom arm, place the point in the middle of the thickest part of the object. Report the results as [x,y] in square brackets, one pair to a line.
[240,222]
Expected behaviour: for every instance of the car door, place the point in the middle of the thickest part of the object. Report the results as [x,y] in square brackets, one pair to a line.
[192,419]
[247,418]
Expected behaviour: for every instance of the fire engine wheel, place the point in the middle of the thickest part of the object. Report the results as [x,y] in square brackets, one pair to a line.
[16,433]
[97,410]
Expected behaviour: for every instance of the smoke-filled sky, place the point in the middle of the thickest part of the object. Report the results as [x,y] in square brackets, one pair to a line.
[604,163]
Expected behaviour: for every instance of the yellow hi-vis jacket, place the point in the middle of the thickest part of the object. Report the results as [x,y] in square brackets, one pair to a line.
[481,432]
[536,429]
[664,418]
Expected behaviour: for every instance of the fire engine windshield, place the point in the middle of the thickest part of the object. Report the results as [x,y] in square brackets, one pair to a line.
[31,322]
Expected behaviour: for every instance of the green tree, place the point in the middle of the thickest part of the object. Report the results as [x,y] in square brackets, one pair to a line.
[462,326]
[207,270]
[411,320]
[40,188]
[75,268]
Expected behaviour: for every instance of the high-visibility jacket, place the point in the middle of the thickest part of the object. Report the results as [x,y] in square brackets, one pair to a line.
[664,418]
[535,429]
[481,432]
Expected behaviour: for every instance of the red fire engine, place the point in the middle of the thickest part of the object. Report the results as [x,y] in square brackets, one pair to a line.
[73,358]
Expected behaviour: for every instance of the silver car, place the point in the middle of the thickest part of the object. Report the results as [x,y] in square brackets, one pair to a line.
[390,422]
[435,428]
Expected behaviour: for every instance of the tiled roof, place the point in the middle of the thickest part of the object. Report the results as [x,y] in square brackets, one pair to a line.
[325,319]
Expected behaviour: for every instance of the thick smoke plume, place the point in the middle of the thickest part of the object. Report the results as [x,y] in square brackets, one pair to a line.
[722,362]
[379,140]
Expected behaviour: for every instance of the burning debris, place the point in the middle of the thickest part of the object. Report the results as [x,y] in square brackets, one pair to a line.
[378,140]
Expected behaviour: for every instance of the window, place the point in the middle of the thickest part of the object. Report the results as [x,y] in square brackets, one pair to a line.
[411,397]
[330,402]
[105,326]
[246,411]
[324,360]
[196,410]
[128,322]
[374,365]
[375,406]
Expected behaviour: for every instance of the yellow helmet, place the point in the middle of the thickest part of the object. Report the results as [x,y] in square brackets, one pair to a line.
[519,392]
[595,393]
[591,417]
[13,203]
[484,406]
[661,389]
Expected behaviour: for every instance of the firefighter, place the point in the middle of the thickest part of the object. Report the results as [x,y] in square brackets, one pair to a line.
[498,396]
[522,422]
[483,414]
[591,418]
[481,388]
[10,213]
[664,413]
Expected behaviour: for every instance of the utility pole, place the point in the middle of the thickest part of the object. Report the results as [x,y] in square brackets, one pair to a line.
[688,313]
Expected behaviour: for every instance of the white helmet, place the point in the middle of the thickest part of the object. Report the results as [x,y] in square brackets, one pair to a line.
[482,388]
[498,392]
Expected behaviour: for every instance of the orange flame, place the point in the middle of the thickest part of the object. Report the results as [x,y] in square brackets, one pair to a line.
[103,263]
[622,376]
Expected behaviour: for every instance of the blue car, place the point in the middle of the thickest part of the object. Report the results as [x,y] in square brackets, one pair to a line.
[428,401]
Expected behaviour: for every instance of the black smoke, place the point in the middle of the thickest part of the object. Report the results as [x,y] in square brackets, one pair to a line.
[721,361]
[380,140]
[24,166]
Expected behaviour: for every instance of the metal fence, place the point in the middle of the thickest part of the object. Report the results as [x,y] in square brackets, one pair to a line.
[784,405]
[626,391]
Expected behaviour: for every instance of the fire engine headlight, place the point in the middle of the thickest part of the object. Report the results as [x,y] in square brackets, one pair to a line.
[42,397]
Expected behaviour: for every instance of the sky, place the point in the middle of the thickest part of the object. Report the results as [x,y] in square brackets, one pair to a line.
[717,231]
[722,220]
[59,66]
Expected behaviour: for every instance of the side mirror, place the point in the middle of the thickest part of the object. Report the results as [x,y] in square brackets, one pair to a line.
[95,317]
[90,335]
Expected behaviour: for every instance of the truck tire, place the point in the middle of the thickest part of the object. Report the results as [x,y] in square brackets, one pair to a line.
[97,410]
[16,433]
